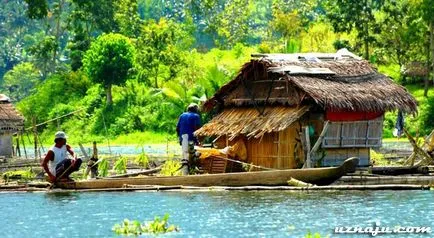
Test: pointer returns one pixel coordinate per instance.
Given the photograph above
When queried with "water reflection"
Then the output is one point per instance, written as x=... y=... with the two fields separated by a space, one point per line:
x=61 y=198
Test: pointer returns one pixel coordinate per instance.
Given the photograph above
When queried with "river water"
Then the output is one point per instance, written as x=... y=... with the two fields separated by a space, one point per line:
x=215 y=213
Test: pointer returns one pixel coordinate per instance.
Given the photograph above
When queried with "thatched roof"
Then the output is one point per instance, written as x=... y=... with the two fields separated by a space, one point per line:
x=251 y=122
x=415 y=69
x=334 y=83
x=10 y=119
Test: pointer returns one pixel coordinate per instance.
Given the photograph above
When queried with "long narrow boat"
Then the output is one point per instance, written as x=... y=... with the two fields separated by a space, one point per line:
x=318 y=176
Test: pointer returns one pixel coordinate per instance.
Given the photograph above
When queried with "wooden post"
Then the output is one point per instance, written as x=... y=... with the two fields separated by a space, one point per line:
x=35 y=137
x=308 y=162
x=83 y=151
x=321 y=136
x=24 y=146
x=18 y=146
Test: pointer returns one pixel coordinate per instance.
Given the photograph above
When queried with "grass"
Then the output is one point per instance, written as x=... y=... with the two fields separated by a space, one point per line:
x=413 y=123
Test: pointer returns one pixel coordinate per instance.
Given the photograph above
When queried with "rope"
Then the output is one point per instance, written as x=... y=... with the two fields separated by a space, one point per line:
x=237 y=161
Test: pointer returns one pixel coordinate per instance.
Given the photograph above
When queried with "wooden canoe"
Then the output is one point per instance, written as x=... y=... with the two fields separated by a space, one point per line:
x=318 y=176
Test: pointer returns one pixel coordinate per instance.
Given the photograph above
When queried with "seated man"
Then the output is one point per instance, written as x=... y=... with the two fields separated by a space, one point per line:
x=56 y=163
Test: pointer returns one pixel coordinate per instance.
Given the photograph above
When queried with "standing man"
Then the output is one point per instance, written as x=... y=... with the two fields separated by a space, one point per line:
x=56 y=163
x=188 y=122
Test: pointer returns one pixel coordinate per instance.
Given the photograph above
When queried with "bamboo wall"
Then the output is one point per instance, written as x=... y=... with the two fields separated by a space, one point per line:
x=279 y=150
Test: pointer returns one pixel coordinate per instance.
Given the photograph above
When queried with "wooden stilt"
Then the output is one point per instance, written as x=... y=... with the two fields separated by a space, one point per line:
x=18 y=146
x=24 y=145
x=35 y=137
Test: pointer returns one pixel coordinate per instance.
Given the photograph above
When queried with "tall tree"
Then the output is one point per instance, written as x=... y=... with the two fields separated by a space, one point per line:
x=160 y=51
x=108 y=61
x=428 y=15
x=19 y=81
x=403 y=34
x=346 y=15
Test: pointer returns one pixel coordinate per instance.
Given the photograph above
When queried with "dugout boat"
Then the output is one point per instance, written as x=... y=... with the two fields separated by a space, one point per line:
x=317 y=176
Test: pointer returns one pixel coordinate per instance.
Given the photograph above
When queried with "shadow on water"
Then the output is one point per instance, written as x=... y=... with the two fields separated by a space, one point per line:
x=62 y=197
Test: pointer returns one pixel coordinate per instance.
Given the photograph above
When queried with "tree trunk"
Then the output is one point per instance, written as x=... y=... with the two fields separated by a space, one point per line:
x=366 y=41
x=428 y=63
x=109 y=94
x=431 y=68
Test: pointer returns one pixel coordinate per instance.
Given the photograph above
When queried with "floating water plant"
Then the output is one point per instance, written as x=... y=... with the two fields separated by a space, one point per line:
x=157 y=226
x=315 y=235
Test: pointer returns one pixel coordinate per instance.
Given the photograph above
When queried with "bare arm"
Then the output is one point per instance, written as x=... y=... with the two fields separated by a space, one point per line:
x=44 y=164
x=70 y=151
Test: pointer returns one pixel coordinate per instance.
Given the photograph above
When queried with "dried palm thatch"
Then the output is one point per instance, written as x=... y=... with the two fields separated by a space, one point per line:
x=337 y=85
x=416 y=69
x=10 y=119
x=251 y=122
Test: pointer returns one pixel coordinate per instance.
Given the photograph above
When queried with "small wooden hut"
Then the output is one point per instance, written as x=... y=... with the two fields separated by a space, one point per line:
x=11 y=122
x=294 y=110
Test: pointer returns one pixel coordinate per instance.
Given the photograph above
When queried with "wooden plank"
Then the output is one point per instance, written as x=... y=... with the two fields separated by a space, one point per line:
x=86 y=156
x=320 y=138
x=307 y=138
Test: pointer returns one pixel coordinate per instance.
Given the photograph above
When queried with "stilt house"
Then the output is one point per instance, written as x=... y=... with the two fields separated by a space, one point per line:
x=311 y=110
x=11 y=122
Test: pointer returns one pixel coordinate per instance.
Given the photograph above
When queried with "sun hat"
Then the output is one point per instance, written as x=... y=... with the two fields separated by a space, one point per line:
x=60 y=135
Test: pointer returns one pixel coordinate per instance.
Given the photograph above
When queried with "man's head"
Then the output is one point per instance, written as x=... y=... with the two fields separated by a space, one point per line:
x=193 y=107
x=59 y=137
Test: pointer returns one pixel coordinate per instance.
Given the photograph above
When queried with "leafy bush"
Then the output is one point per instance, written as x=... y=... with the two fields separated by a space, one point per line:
x=171 y=168
x=142 y=160
x=120 y=166
x=157 y=226
x=19 y=174
x=103 y=167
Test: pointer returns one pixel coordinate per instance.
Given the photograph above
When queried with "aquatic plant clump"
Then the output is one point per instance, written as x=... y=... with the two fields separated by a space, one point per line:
x=157 y=226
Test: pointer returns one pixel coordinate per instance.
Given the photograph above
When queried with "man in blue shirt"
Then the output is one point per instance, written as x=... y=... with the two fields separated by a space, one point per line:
x=188 y=122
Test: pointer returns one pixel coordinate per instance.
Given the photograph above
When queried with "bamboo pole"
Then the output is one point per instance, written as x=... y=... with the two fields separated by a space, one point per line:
x=308 y=163
x=18 y=146
x=24 y=145
x=35 y=137
x=321 y=136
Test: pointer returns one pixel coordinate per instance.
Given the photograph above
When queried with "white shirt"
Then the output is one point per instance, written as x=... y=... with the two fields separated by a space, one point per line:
x=59 y=155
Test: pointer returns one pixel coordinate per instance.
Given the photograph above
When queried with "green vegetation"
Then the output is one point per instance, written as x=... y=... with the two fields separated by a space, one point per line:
x=103 y=168
x=171 y=168
x=130 y=67
x=315 y=235
x=157 y=226
x=19 y=175
x=142 y=160
x=120 y=165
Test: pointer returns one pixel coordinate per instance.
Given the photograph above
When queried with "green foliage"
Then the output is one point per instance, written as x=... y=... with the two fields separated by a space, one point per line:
x=103 y=168
x=37 y=9
x=160 y=54
x=346 y=15
x=377 y=158
x=157 y=226
x=109 y=60
x=120 y=165
x=142 y=160
x=314 y=235
x=19 y=174
x=171 y=168
x=427 y=117
x=20 y=81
